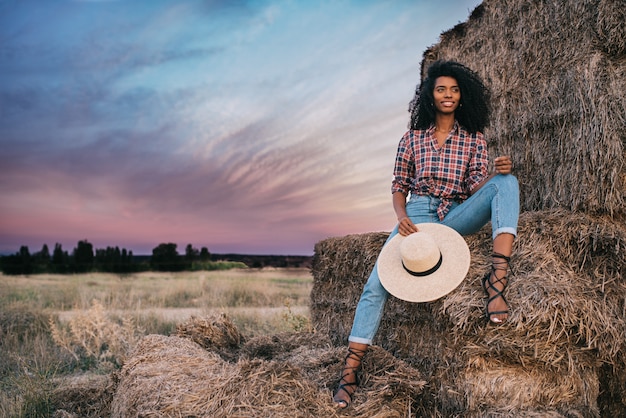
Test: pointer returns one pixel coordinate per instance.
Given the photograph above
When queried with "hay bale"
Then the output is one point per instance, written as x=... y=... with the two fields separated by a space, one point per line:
x=557 y=76
x=275 y=347
x=215 y=333
x=567 y=292
x=344 y=264
x=86 y=395
x=567 y=301
x=612 y=399
x=174 y=376
x=610 y=27
x=512 y=389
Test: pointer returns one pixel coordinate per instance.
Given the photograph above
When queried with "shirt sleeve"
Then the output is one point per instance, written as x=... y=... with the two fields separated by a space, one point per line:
x=404 y=169
x=479 y=162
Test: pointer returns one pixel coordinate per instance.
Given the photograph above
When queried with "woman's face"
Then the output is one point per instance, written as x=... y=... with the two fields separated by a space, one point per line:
x=447 y=95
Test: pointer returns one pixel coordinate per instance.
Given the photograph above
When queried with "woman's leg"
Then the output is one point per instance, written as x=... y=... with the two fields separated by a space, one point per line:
x=367 y=316
x=349 y=381
x=370 y=308
x=496 y=280
x=498 y=202
x=366 y=321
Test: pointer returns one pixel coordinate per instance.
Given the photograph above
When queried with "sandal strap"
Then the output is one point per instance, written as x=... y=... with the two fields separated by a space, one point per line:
x=497 y=265
x=356 y=354
x=350 y=387
x=342 y=387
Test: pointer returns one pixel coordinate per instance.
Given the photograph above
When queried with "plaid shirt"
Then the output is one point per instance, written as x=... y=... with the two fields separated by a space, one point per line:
x=449 y=173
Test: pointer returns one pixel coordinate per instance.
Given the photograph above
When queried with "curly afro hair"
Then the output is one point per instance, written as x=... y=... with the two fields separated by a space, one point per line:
x=473 y=112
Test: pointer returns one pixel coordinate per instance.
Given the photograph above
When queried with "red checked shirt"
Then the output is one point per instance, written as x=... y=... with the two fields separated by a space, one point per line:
x=450 y=172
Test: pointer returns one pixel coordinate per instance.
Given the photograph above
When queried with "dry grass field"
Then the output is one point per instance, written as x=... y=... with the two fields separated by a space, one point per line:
x=54 y=326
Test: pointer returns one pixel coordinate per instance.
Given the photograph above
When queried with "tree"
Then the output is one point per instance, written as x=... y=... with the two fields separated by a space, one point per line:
x=42 y=260
x=205 y=255
x=59 y=259
x=44 y=254
x=26 y=260
x=114 y=260
x=166 y=258
x=83 y=257
x=19 y=263
x=191 y=254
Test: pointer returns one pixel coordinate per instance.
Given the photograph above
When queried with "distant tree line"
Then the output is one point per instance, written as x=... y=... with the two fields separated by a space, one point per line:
x=84 y=259
x=165 y=258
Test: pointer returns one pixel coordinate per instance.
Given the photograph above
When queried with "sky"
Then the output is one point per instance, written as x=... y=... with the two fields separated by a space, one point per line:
x=251 y=127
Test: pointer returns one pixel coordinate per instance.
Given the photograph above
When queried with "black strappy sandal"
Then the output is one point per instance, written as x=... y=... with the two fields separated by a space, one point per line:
x=349 y=387
x=495 y=266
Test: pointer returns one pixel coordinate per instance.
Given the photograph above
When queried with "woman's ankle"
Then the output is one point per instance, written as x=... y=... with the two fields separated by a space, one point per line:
x=356 y=352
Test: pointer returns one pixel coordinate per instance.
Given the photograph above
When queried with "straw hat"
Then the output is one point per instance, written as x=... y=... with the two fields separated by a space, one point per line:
x=425 y=265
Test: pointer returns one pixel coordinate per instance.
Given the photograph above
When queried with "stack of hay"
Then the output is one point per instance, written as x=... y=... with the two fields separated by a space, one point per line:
x=557 y=73
x=564 y=340
x=199 y=373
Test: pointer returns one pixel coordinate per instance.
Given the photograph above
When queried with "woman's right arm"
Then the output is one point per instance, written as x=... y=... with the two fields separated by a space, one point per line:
x=405 y=225
x=404 y=170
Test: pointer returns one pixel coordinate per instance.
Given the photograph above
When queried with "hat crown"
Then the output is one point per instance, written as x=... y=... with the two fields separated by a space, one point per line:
x=419 y=252
x=424 y=266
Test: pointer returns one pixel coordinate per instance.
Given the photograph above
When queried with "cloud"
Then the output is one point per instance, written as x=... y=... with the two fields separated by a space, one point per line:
x=263 y=126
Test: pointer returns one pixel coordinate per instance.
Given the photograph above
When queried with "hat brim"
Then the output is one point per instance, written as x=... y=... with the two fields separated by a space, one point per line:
x=454 y=267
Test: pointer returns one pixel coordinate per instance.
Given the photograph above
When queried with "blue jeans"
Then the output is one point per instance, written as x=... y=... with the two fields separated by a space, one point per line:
x=497 y=201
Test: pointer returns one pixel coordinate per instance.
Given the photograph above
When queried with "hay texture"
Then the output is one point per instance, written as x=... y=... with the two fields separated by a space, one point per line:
x=557 y=73
x=214 y=333
x=85 y=396
x=285 y=375
x=567 y=300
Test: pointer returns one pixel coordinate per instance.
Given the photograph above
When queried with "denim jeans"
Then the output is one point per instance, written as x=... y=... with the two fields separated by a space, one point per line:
x=497 y=201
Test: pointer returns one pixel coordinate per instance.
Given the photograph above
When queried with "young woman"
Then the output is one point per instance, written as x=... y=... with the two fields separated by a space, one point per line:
x=442 y=166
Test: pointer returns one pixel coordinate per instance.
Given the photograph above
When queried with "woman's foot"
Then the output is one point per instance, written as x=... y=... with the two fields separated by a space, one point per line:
x=494 y=283
x=349 y=380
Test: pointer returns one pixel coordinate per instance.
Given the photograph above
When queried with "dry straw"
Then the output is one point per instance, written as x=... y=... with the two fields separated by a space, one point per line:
x=287 y=375
x=567 y=301
x=557 y=72
x=87 y=395
x=218 y=334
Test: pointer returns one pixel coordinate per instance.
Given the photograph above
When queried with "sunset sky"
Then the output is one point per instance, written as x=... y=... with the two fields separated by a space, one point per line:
x=257 y=127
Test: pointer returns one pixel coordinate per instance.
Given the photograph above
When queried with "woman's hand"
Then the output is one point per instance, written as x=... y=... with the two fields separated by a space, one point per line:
x=503 y=165
x=406 y=226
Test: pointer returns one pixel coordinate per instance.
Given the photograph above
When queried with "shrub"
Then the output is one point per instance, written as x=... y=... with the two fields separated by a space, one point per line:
x=93 y=337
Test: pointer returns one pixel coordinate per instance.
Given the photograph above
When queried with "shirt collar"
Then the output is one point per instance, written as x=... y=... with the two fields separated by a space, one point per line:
x=455 y=128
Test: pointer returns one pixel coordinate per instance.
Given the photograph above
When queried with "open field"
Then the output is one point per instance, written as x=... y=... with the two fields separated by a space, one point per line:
x=246 y=293
x=53 y=326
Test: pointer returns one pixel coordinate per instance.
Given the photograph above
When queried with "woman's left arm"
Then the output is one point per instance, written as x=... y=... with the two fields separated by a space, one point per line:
x=502 y=165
